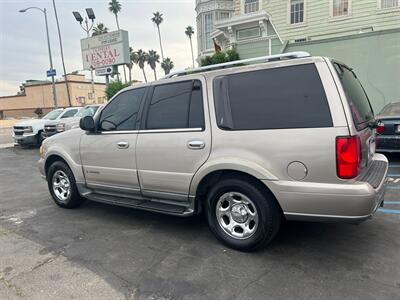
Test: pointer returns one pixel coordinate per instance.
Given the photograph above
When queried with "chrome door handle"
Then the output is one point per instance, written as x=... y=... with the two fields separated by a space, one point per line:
x=123 y=145
x=197 y=144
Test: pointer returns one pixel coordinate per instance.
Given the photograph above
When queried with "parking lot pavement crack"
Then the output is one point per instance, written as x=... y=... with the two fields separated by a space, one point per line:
x=9 y=285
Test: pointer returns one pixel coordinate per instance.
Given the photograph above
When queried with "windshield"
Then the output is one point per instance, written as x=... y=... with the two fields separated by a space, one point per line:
x=87 y=111
x=53 y=114
x=392 y=109
x=358 y=100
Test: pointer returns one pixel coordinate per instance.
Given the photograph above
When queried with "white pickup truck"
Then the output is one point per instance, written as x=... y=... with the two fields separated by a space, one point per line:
x=29 y=132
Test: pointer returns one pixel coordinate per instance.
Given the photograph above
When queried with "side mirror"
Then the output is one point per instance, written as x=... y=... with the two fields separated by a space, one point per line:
x=87 y=124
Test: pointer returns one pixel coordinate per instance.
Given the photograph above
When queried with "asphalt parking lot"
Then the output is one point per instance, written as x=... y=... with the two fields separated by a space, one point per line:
x=104 y=252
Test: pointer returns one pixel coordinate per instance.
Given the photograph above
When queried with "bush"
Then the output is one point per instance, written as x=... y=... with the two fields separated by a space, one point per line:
x=232 y=55
x=39 y=112
x=114 y=87
x=206 y=61
x=220 y=57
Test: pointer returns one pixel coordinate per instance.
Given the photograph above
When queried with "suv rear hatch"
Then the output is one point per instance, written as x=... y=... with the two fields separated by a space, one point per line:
x=362 y=114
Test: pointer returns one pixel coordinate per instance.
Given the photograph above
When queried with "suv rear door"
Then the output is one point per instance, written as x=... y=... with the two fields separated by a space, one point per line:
x=175 y=138
x=360 y=109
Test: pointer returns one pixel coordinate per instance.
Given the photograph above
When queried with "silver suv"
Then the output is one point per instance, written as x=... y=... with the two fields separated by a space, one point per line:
x=290 y=138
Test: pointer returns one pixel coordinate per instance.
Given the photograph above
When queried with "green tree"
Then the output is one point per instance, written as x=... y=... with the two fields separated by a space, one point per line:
x=158 y=19
x=100 y=28
x=140 y=57
x=115 y=7
x=39 y=112
x=152 y=59
x=114 y=87
x=167 y=65
x=189 y=32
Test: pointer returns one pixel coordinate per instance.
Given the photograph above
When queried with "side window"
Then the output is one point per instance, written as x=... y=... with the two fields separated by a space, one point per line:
x=278 y=98
x=69 y=114
x=122 y=112
x=176 y=105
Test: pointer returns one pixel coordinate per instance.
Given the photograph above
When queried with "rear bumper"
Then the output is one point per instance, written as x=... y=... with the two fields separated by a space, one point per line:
x=348 y=202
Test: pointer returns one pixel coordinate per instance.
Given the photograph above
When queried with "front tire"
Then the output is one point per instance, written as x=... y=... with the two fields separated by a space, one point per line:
x=62 y=186
x=242 y=214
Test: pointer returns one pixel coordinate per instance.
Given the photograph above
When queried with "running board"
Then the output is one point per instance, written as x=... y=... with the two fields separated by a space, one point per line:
x=155 y=205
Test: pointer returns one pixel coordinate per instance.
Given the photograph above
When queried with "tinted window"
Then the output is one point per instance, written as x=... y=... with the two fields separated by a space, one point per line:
x=288 y=97
x=70 y=113
x=122 y=112
x=176 y=105
x=358 y=100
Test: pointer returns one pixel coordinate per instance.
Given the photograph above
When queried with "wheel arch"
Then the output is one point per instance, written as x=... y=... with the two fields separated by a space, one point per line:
x=52 y=159
x=214 y=176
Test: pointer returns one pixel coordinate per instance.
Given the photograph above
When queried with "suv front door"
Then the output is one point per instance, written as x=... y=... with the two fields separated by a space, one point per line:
x=174 y=140
x=108 y=156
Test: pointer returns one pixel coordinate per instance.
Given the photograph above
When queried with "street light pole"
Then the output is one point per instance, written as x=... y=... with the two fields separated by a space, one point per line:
x=49 y=48
x=87 y=29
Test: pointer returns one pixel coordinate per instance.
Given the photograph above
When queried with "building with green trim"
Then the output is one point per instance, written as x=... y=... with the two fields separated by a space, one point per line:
x=364 y=34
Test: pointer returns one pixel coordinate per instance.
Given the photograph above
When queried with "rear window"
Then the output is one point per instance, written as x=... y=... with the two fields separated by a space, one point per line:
x=360 y=106
x=287 y=97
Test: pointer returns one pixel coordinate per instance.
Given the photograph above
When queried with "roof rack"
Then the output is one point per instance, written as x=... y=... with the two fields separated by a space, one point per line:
x=261 y=59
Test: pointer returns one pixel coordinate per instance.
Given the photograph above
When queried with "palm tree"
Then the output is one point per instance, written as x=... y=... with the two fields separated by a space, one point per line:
x=167 y=65
x=139 y=58
x=189 y=32
x=158 y=19
x=115 y=8
x=100 y=28
x=133 y=59
x=152 y=59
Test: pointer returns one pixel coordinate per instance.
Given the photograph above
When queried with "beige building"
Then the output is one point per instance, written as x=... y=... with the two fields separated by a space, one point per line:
x=39 y=94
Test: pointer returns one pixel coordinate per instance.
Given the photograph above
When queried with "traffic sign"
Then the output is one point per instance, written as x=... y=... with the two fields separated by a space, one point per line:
x=51 y=73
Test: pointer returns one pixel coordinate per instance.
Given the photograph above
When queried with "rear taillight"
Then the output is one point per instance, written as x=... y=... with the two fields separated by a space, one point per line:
x=348 y=156
x=380 y=128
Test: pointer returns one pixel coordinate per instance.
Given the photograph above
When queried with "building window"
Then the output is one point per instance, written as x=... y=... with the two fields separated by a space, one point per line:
x=248 y=33
x=208 y=27
x=385 y=4
x=340 y=8
x=251 y=6
x=224 y=15
x=296 y=11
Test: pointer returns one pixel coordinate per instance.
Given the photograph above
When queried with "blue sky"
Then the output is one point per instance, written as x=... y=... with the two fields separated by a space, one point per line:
x=23 y=48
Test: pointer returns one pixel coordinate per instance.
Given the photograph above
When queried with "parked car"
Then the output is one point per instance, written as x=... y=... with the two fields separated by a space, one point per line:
x=53 y=127
x=29 y=132
x=250 y=145
x=388 y=137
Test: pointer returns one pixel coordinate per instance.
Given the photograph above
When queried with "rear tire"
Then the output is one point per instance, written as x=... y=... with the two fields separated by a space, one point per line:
x=62 y=186
x=242 y=215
